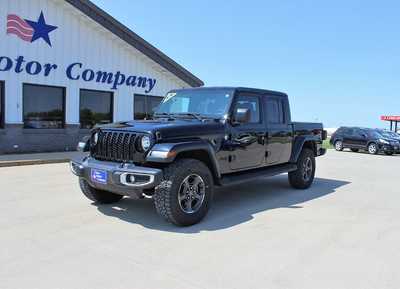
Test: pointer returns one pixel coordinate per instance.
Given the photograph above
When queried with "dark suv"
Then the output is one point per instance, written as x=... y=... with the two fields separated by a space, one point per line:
x=199 y=138
x=371 y=140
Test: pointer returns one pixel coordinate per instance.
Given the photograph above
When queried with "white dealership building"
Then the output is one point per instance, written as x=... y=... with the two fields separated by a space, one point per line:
x=66 y=65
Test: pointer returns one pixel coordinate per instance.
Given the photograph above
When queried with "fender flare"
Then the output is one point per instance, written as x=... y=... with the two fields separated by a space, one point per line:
x=167 y=153
x=299 y=144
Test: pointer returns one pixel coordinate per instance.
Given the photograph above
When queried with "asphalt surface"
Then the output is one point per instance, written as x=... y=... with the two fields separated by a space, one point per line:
x=344 y=232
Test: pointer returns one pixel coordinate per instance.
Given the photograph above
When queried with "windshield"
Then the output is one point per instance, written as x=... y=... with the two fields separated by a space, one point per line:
x=212 y=103
x=375 y=134
x=389 y=134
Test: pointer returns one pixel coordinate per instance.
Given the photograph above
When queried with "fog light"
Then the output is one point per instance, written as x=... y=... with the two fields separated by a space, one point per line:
x=130 y=179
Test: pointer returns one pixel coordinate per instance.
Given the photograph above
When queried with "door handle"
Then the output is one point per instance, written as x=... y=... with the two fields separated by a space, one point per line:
x=262 y=137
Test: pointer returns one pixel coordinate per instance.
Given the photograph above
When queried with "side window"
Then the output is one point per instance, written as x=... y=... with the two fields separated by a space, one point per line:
x=44 y=106
x=340 y=131
x=364 y=133
x=358 y=132
x=274 y=110
x=350 y=132
x=96 y=107
x=252 y=103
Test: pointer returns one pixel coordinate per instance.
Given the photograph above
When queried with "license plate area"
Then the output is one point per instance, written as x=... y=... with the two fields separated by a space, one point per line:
x=99 y=176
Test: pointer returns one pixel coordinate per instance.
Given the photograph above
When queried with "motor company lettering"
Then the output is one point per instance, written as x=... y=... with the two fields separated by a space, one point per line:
x=76 y=71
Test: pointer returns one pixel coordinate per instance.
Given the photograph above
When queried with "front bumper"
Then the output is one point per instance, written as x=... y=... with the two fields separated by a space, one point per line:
x=389 y=148
x=122 y=178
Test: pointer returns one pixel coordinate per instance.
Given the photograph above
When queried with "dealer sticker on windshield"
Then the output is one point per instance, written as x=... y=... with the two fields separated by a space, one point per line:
x=169 y=96
x=99 y=176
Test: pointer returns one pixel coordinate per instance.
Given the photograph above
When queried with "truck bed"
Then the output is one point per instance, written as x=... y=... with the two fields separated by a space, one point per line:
x=302 y=128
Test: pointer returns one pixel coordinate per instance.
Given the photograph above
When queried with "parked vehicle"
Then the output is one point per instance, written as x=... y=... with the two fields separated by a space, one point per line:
x=199 y=138
x=370 y=140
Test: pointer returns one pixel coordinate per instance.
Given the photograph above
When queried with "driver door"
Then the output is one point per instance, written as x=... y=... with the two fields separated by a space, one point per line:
x=360 y=138
x=248 y=139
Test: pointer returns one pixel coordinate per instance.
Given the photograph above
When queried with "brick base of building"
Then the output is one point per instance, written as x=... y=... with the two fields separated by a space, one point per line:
x=14 y=138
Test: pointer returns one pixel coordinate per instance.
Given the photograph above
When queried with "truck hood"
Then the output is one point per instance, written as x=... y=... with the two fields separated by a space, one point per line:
x=170 y=128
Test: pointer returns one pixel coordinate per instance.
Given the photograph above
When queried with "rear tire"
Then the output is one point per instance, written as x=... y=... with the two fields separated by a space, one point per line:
x=354 y=150
x=185 y=194
x=339 y=145
x=303 y=177
x=372 y=148
x=98 y=196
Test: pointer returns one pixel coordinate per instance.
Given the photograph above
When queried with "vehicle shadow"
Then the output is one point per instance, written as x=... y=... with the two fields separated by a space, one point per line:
x=232 y=205
x=363 y=152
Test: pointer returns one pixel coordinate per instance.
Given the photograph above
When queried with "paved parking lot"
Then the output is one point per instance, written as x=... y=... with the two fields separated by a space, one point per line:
x=344 y=232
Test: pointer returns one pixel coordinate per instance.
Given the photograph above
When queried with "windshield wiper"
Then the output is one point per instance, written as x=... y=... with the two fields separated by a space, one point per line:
x=195 y=115
x=161 y=114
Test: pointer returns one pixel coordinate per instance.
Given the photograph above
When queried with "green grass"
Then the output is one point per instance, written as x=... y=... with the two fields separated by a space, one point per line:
x=326 y=144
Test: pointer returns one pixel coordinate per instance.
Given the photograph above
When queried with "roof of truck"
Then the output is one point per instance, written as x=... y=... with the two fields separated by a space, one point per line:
x=238 y=88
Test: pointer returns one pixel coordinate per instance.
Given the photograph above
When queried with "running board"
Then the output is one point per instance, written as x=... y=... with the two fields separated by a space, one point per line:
x=245 y=176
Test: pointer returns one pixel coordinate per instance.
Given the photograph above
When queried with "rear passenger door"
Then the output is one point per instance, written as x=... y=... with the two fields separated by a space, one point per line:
x=348 y=137
x=279 y=131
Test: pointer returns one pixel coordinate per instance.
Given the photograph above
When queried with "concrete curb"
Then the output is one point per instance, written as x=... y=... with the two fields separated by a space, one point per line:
x=5 y=164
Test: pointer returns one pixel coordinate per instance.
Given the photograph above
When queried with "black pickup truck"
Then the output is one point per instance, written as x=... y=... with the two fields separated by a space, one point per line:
x=198 y=139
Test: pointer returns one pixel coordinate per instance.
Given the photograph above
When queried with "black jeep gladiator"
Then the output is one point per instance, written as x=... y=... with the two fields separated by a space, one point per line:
x=198 y=139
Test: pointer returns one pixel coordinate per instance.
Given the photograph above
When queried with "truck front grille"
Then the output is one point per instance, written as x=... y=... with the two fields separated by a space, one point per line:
x=116 y=146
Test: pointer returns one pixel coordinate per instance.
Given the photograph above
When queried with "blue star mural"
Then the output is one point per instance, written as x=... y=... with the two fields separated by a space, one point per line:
x=41 y=29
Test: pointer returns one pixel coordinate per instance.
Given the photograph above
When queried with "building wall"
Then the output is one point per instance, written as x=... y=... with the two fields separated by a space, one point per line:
x=77 y=39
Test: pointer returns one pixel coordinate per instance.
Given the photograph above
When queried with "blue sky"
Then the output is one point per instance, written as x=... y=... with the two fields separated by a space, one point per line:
x=339 y=61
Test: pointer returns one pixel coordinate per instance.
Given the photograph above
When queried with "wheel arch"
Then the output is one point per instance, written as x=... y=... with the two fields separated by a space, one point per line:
x=199 y=150
x=301 y=143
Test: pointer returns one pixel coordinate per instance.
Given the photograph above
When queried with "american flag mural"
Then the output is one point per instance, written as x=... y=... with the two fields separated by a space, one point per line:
x=18 y=26
x=29 y=30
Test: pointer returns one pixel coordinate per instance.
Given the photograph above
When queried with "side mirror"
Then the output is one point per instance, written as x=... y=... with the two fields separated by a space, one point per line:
x=242 y=115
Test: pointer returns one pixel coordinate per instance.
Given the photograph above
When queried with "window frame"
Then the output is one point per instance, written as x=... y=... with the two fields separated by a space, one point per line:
x=96 y=90
x=261 y=118
x=143 y=95
x=2 y=103
x=64 y=90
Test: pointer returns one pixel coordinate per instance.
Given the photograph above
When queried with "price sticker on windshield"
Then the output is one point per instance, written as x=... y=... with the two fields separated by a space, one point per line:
x=169 y=96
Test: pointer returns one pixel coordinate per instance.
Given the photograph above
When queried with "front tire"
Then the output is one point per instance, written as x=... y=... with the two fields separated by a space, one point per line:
x=372 y=149
x=184 y=195
x=339 y=145
x=303 y=177
x=98 y=196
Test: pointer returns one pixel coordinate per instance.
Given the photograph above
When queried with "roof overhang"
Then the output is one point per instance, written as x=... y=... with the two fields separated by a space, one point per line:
x=127 y=35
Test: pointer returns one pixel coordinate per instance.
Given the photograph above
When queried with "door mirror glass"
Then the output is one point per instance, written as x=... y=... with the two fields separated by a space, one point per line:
x=242 y=115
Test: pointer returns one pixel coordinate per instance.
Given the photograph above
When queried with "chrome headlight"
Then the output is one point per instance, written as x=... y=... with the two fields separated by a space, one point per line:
x=95 y=138
x=383 y=141
x=145 y=142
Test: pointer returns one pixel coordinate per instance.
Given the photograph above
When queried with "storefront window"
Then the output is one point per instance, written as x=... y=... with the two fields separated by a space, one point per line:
x=1 y=104
x=43 y=106
x=145 y=105
x=96 y=108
